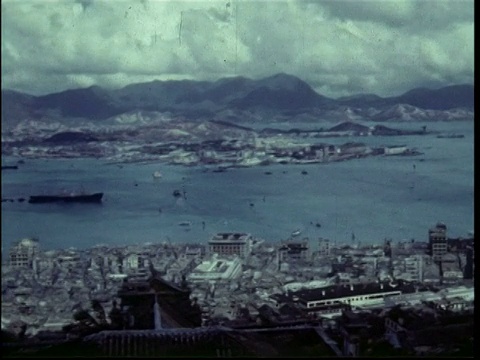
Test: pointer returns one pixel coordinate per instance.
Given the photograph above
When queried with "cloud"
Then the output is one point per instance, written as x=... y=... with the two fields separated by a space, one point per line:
x=340 y=47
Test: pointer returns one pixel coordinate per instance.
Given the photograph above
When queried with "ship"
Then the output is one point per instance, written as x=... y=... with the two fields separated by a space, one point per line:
x=66 y=198
x=451 y=136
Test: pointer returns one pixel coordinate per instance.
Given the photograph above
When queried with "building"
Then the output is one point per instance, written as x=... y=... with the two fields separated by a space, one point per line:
x=324 y=247
x=23 y=253
x=294 y=250
x=387 y=248
x=226 y=244
x=414 y=268
x=317 y=301
x=423 y=330
x=156 y=303
x=468 y=270
x=216 y=269
x=135 y=263
x=200 y=342
x=437 y=239
x=194 y=252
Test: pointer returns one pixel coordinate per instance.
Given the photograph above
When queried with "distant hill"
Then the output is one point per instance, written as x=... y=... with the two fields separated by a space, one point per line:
x=17 y=106
x=455 y=96
x=349 y=126
x=91 y=103
x=450 y=97
x=281 y=95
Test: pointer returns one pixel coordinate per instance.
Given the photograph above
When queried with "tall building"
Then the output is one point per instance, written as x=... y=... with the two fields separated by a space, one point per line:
x=23 y=252
x=468 y=271
x=294 y=250
x=324 y=247
x=387 y=248
x=414 y=267
x=437 y=239
x=225 y=244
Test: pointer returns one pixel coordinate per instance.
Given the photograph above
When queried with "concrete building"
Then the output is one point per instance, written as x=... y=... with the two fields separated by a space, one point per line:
x=414 y=268
x=313 y=300
x=294 y=250
x=468 y=270
x=135 y=264
x=23 y=252
x=437 y=238
x=227 y=244
x=216 y=269
x=324 y=247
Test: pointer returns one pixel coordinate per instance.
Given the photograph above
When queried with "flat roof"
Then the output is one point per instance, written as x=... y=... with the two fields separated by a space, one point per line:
x=340 y=291
x=229 y=237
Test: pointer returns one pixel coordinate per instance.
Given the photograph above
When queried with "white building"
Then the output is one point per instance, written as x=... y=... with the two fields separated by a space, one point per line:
x=313 y=300
x=216 y=269
x=133 y=263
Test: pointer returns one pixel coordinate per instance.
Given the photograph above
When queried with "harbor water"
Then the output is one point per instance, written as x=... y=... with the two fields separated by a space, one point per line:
x=361 y=201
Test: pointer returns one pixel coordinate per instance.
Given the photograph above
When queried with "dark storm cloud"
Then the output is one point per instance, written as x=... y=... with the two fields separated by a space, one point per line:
x=339 y=47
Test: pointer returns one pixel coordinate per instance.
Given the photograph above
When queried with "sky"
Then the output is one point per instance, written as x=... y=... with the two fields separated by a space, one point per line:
x=340 y=47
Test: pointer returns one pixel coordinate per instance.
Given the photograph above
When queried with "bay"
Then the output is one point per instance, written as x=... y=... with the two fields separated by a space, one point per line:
x=371 y=198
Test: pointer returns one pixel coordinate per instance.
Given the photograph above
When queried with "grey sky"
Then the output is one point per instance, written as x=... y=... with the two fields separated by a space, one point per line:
x=340 y=47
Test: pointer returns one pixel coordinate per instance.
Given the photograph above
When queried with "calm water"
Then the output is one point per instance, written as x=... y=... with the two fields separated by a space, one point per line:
x=372 y=198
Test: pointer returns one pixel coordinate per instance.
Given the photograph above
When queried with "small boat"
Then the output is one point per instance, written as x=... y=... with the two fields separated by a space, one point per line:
x=177 y=193
x=296 y=232
x=184 y=223
x=157 y=175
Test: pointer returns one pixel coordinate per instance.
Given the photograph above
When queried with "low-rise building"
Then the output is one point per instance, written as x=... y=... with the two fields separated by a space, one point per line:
x=216 y=269
x=312 y=300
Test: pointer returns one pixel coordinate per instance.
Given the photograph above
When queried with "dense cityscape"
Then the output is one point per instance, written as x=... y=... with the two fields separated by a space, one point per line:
x=238 y=285
x=250 y=179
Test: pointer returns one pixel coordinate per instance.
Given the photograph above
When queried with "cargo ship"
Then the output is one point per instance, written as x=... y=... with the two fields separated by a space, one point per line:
x=66 y=198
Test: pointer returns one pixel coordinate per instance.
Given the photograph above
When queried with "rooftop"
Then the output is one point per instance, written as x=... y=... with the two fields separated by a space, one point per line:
x=230 y=237
x=339 y=291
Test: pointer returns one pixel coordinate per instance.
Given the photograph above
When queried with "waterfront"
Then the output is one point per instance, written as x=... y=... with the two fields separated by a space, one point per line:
x=372 y=198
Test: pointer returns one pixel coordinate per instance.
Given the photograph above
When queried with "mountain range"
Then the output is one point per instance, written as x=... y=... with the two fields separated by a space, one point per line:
x=235 y=99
